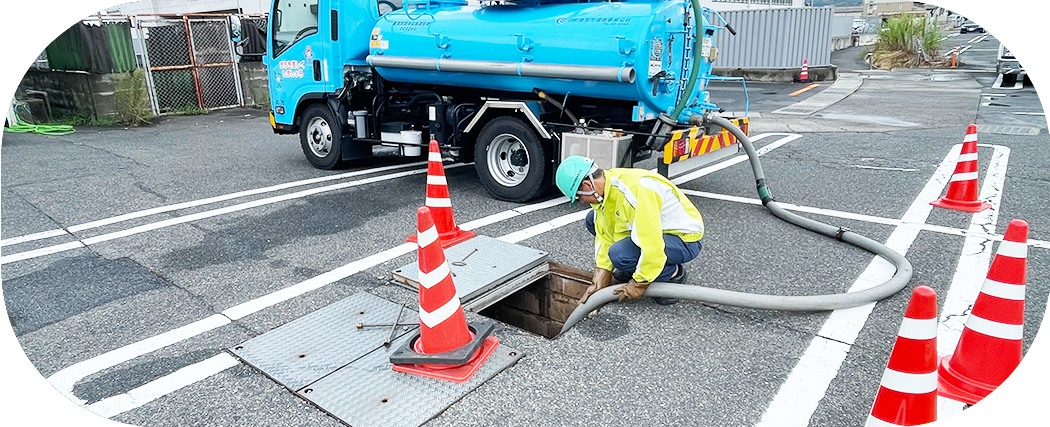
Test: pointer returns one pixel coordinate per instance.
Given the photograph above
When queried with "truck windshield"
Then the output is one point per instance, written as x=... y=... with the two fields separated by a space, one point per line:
x=292 y=20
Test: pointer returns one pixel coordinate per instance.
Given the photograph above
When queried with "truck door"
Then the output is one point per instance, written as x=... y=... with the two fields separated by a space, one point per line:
x=299 y=32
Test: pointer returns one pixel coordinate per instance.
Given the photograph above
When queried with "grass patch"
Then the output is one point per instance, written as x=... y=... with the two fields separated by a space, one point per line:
x=132 y=99
x=908 y=42
x=82 y=120
x=188 y=110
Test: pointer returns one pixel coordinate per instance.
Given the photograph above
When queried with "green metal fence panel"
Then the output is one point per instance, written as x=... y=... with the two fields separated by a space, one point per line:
x=92 y=48
x=121 y=50
x=67 y=51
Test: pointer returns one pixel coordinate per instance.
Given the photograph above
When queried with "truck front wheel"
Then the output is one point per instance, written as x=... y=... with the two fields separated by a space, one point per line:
x=320 y=136
x=511 y=161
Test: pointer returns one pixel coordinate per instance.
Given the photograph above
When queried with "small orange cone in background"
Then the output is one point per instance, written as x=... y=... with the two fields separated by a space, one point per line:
x=440 y=203
x=989 y=348
x=803 y=77
x=446 y=347
x=962 y=188
x=908 y=391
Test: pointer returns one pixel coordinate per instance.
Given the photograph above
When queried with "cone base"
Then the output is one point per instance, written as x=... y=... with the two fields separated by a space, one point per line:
x=954 y=386
x=960 y=205
x=449 y=238
x=458 y=374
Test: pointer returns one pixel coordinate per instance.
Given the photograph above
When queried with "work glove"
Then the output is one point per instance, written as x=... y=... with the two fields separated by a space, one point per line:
x=632 y=290
x=602 y=278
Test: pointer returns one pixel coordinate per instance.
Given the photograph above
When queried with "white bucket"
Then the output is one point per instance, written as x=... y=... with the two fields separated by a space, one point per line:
x=412 y=137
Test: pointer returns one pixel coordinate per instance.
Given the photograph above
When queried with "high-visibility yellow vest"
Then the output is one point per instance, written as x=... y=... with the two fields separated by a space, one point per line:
x=642 y=205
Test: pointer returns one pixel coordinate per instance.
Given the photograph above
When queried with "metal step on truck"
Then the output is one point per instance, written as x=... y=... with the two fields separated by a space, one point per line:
x=512 y=86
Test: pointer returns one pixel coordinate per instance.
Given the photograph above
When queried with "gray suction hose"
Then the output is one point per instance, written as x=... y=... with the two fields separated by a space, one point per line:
x=771 y=302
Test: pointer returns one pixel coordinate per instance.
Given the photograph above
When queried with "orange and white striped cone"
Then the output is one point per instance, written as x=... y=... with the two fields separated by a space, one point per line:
x=990 y=346
x=446 y=347
x=962 y=188
x=908 y=391
x=440 y=203
x=803 y=77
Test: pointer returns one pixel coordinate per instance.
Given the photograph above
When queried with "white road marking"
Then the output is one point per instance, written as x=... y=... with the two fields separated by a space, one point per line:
x=65 y=379
x=153 y=390
x=885 y=168
x=806 y=385
x=194 y=203
x=974 y=258
x=1041 y=244
x=786 y=138
x=202 y=215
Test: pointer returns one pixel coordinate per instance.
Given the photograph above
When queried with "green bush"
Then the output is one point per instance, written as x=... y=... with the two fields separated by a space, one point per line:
x=132 y=99
x=907 y=42
x=187 y=110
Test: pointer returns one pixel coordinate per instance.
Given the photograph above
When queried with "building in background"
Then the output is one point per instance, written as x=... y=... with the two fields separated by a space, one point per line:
x=892 y=8
x=148 y=7
x=726 y=5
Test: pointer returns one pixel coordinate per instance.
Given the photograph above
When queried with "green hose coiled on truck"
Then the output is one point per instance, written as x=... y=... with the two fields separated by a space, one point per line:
x=697 y=44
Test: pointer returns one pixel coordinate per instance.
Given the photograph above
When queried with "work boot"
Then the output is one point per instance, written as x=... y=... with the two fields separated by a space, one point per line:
x=621 y=277
x=679 y=278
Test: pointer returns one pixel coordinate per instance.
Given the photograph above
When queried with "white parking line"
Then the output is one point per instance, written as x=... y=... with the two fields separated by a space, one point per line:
x=65 y=379
x=193 y=203
x=808 y=382
x=161 y=386
x=202 y=215
x=974 y=259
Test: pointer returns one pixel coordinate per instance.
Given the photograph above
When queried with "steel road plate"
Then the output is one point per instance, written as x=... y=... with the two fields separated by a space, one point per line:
x=306 y=349
x=495 y=263
x=369 y=393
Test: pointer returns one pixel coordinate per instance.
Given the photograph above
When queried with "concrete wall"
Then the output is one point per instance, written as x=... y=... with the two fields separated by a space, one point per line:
x=842 y=42
x=75 y=92
x=254 y=85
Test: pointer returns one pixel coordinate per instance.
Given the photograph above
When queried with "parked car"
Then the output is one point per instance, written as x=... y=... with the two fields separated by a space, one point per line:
x=1006 y=63
x=970 y=27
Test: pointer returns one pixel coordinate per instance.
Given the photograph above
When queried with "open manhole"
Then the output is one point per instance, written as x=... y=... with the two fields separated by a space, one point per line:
x=543 y=306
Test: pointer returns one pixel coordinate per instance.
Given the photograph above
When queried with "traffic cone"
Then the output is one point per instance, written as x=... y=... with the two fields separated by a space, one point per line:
x=446 y=347
x=439 y=202
x=962 y=188
x=908 y=391
x=989 y=348
x=803 y=77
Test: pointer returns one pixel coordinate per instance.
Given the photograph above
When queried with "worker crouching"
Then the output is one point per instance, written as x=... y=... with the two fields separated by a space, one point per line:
x=644 y=227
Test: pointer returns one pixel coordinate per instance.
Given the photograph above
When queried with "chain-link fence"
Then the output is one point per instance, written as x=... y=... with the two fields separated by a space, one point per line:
x=189 y=62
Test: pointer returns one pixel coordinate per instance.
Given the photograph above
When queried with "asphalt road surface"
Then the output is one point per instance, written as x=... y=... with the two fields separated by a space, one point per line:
x=178 y=241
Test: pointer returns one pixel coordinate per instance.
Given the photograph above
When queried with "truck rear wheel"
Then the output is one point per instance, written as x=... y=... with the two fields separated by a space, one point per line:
x=511 y=160
x=320 y=136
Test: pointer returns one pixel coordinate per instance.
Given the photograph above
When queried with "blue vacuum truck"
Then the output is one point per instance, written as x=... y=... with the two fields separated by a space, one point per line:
x=514 y=86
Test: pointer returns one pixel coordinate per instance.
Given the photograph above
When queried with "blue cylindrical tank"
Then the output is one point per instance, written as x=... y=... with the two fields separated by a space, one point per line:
x=636 y=51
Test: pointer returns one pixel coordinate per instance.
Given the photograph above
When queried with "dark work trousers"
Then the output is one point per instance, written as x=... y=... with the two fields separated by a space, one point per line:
x=625 y=254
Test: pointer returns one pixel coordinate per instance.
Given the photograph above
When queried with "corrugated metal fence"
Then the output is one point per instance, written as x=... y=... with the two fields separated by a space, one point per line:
x=775 y=38
x=101 y=47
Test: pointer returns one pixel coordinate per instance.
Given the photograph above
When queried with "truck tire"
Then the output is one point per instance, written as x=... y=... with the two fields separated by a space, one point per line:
x=511 y=160
x=320 y=136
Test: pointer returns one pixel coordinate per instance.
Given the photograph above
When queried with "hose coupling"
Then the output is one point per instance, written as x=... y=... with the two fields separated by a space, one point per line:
x=840 y=232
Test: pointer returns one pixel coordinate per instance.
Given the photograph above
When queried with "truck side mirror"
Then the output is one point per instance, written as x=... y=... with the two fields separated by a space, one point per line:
x=235 y=30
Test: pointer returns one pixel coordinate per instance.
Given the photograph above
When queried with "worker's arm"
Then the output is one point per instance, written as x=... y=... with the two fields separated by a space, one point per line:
x=602 y=264
x=603 y=240
x=647 y=233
